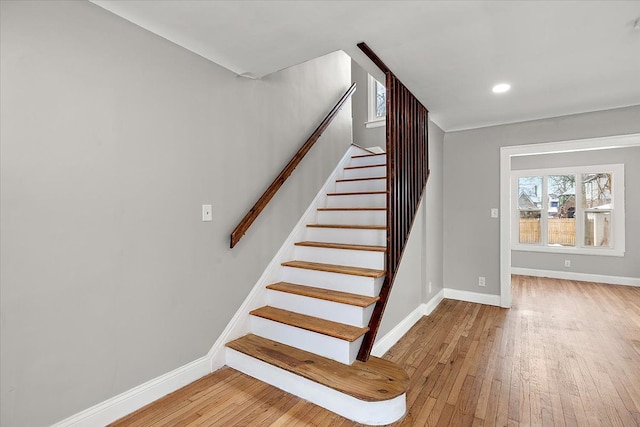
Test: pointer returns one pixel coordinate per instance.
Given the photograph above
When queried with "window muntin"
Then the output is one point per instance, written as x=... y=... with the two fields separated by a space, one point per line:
x=551 y=216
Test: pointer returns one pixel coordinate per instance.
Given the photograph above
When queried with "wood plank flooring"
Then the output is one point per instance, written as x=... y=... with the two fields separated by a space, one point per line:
x=566 y=354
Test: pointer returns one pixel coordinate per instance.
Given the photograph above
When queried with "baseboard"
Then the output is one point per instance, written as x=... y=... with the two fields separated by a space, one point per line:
x=131 y=400
x=384 y=343
x=582 y=277
x=476 y=297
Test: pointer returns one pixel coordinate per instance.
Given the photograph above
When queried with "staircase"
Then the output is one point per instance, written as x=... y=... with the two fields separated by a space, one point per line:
x=306 y=338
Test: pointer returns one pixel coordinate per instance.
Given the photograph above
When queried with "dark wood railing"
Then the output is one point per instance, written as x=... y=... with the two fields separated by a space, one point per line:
x=257 y=208
x=407 y=174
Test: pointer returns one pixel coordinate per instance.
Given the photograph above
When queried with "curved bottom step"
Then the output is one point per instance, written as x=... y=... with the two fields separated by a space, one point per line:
x=372 y=393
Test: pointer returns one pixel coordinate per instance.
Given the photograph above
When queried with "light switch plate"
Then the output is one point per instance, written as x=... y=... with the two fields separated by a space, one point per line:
x=494 y=212
x=207 y=213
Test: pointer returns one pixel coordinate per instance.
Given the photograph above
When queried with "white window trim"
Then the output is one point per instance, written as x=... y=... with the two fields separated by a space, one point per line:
x=373 y=121
x=617 y=211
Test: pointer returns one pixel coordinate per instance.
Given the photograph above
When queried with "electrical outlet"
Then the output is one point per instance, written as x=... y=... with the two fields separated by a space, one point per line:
x=482 y=281
x=494 y=212
x=567 y=263
x=207 y=213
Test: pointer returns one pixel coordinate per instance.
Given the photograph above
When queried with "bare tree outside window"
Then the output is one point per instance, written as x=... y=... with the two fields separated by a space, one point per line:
x=381 y=100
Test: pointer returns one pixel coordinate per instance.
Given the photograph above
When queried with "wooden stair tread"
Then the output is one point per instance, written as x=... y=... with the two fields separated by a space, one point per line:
x=354 y=226
x=324 y=294
x=360 y=179
x=342 y=246
x=315 y=324
x=333 y=268
x=356 y=193
x=368 y=155
x=375 y=380
x=352 y=209
x=366 y=166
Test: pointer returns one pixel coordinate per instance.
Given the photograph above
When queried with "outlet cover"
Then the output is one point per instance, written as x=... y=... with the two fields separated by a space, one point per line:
x=567 y=263
x=482 y=281
x=494 y=212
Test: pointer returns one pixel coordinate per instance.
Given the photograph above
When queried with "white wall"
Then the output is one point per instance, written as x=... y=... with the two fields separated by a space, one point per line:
x=111 y=139
x=472 y=188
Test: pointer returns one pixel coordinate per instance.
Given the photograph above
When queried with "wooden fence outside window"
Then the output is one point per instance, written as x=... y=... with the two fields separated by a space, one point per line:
x=561 y=231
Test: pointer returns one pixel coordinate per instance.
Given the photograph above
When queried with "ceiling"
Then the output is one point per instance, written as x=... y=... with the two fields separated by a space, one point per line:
x=561 y=57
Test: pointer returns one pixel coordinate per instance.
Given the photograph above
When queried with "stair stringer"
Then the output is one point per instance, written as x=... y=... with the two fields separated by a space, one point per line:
x=257 y=297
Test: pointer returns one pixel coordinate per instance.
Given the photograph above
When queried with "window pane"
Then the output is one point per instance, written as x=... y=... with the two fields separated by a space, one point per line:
x=381 y=100
x=530 y=192
x=530 y=227
x=597 y=229
x=596 y=191
x=561 y=223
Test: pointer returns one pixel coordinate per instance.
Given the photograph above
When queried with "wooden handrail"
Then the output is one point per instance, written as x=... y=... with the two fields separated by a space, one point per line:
x=257 y=208
x=407 y=174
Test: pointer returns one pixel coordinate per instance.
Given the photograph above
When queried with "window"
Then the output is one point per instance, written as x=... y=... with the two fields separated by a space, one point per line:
x=570 y=210
x=377 y=100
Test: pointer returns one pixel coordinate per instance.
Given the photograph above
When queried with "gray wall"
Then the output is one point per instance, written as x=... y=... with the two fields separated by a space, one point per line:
x=373 y=137
x=422 y=259
x=435 y=213
x=627 y=266
x=472 y=187
x=112 y=138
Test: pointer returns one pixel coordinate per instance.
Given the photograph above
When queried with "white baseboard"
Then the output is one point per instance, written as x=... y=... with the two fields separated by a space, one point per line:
x=131 y=400
x=384 y=343
x=582 y=277
x=476 y=297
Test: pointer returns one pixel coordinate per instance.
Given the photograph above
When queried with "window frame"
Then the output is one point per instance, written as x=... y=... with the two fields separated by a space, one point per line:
x=617 y=211
x=373 y=120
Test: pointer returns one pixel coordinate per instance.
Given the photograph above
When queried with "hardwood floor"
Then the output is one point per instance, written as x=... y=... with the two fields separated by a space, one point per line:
x=566 y=354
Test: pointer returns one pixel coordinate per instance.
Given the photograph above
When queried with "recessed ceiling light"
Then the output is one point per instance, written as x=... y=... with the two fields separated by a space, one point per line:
x=501 y=88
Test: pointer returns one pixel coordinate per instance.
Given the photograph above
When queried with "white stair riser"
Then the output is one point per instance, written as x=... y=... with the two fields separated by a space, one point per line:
x=357 y=201
x=365 y=172
x=354 y=258
x=369 y=160
x=363 y=217
x=347 y=235
x=365 y=185
x=329 y=310
x=360 y=285
x=368 y=413
x=333 y=348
